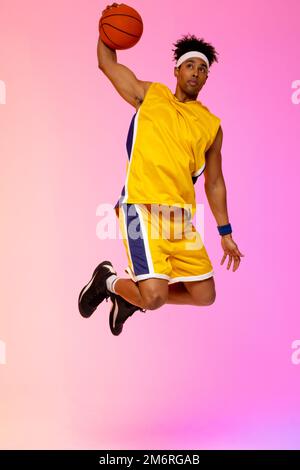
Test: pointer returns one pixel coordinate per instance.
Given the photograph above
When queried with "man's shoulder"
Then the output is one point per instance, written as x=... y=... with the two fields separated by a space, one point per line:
x=157 y=87
x=146 y=85
x=212 y=118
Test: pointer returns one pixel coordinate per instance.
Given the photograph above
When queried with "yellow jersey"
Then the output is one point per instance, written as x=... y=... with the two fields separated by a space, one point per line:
x=166 y=145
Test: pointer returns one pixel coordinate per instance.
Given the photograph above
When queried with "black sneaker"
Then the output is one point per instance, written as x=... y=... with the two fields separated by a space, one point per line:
x=121 y=310
x=95 y=291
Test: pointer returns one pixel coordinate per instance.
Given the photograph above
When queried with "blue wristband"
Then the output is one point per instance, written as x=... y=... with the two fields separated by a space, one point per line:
x=224 y=229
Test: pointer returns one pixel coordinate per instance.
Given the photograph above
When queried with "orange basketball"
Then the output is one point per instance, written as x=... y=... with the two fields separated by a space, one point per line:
x=120 y=27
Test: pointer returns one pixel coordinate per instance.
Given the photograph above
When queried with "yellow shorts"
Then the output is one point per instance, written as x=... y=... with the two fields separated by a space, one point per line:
x=161 y=242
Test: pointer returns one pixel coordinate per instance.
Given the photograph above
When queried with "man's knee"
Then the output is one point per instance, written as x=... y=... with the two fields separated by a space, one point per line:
x=211 y=298
x=154 y=293
x=207 y=299
x=153 y=300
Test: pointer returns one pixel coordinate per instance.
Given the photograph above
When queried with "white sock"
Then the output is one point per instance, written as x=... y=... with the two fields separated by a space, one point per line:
x=110 y=283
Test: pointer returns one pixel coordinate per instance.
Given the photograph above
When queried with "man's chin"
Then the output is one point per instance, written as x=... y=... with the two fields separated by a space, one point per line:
x=191 y=94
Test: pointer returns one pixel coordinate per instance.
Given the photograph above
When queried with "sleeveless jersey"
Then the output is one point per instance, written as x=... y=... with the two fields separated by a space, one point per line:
x=166 y=145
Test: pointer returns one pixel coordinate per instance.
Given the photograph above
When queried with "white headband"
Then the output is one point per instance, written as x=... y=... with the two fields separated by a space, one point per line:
x=189 y=55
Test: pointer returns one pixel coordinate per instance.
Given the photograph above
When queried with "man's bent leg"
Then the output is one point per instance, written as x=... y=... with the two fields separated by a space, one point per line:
x=151 y=294
x=148 y=294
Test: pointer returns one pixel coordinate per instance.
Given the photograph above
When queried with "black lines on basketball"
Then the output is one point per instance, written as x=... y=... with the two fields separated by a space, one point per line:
x=117 y=45
x=121 y=27
x=121 y=30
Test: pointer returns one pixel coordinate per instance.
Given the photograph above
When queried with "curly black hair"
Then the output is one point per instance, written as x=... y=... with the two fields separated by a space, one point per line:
x=191 y=43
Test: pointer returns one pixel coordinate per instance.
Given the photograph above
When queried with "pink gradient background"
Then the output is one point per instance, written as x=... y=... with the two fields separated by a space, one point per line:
x=219 y=377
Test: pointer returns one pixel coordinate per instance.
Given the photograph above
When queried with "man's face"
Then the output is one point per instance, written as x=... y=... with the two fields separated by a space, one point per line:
x=191 y=75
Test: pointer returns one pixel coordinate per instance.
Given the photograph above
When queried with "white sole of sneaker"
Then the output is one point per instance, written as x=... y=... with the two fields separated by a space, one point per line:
x=115 y=314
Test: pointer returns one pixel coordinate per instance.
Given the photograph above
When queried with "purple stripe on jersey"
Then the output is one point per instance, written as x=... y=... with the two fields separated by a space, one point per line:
x=135 y=240
x=129 y=141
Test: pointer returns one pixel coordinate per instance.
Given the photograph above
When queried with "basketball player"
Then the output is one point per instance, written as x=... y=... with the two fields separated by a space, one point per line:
x=172 y=140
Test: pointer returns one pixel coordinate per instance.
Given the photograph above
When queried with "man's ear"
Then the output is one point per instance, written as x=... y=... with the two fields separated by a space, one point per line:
x=175 y=72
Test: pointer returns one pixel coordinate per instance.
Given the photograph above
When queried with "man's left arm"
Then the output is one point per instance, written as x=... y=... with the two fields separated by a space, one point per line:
x=215 y=190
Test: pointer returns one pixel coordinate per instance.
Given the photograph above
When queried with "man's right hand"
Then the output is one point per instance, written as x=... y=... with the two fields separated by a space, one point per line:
x=110 y=6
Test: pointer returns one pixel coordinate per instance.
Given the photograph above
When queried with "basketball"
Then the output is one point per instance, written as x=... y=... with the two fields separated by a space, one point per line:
x=120 y=26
